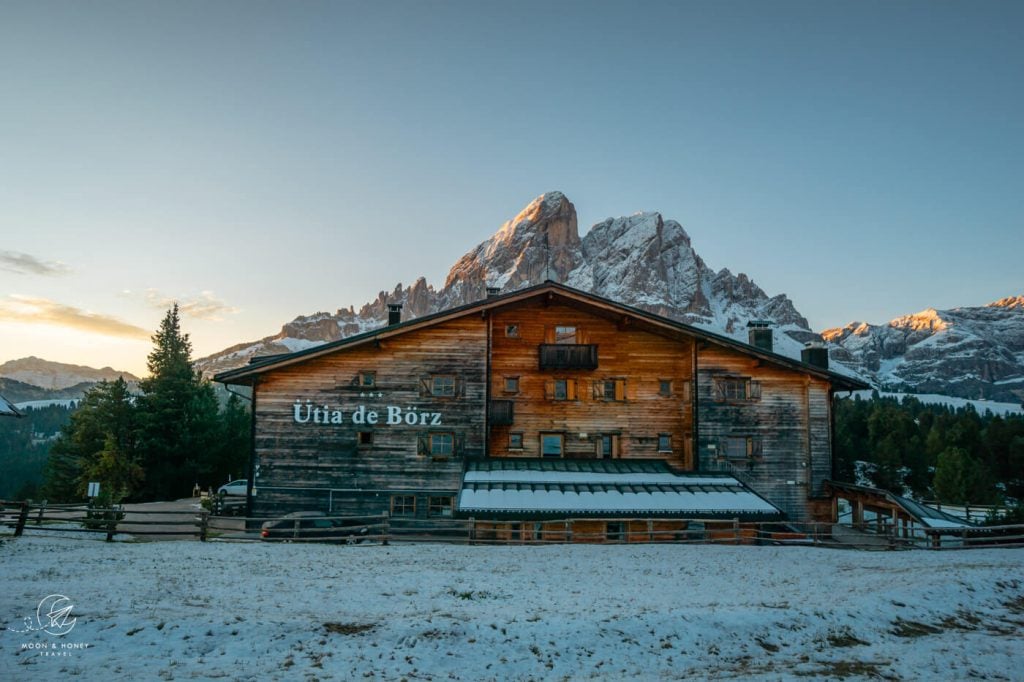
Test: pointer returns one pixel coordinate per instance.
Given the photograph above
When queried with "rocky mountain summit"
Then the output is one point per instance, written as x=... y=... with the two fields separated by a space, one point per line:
x=51 y=375
x=642 y=260
x=970 y=352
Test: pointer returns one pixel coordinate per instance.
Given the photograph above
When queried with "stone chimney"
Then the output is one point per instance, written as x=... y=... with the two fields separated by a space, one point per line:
x=394 y=313
x=815 y=353
x=759 y=332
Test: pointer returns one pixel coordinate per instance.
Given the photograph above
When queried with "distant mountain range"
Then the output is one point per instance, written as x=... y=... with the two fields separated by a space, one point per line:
x=648 y=261
x=33 y=378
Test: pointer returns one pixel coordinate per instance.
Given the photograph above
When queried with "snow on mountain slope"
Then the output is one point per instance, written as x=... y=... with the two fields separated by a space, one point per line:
x=968 y=352
x=641 y=260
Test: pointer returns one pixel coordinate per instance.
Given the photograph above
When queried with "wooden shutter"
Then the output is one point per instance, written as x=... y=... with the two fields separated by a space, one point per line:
x=460 y=387
x=598 y=393
x=423 y=445
x=687 y=397
x=549 y=390
x=570 y=389
x=620 y=389
x=549 y=335
x=719 y=390
x=458 y=444
x=425 y=385
x=754 y=447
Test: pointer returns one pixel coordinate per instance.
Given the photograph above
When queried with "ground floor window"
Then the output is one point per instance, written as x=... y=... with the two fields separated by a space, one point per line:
x=664 y=442
x=552 y=444
x=615 y=531
x=607 y=446
x=515 y=440
x=439 y=506
x=403 y=505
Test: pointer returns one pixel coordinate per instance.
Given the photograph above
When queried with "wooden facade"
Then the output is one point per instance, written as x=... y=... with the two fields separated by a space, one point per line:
x=544 y=372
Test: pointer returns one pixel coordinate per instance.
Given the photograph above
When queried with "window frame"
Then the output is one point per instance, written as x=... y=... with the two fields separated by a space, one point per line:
x=512 y=330
x=561 y=445
x=566 y=338
x=439 y=435
x=736 y=390
x=435 y=378
x=403 y=502
x=511 y=380
x=512 y=445
x=372 y=376
x=613 y=441
x=667 y=448
x=665 y=388
x=447 y=509
x=364 y=438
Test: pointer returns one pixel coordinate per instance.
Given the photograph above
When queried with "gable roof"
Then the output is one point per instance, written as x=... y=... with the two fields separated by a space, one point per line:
x=652 y=322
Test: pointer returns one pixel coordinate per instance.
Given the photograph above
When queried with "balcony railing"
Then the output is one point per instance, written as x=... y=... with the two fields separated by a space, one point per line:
x=568 y=356
x=502 y=412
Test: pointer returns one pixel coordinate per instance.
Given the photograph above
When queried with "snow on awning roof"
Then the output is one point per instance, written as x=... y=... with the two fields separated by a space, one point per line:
x=603 y=488
x=7 y=408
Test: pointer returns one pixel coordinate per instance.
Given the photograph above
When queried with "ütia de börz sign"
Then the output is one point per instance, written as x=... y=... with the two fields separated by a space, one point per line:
x=392 y=415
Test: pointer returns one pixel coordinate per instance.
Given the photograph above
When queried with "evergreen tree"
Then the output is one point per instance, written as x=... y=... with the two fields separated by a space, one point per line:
x=178 y=415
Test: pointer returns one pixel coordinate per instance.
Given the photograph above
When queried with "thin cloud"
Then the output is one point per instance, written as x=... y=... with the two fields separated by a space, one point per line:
x=44 y=311
x=27 y=264
x=205 y=306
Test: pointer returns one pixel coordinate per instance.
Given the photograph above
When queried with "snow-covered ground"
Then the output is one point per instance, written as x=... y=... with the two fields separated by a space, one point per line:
x=981 y=406
x=186 y=610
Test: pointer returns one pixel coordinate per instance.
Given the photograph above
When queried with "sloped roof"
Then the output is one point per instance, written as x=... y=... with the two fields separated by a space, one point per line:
x=7 y=408
x=922 y=513
x=521 y=488
x=656 y=323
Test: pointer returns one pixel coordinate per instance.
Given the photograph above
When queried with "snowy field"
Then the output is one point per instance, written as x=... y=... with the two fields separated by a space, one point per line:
x=188 y=610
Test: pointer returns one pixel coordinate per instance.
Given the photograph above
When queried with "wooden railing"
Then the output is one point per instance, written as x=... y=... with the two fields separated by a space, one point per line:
x=567 y=356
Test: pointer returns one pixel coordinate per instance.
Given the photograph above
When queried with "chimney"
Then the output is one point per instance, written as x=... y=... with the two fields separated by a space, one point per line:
x=759 y=332
x=493 y=291
x=815 y=353
x=394 y=313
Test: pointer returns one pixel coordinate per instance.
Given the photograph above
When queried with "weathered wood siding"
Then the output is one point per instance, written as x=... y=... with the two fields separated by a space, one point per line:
x=323 y=467
x=638 y=358
x=788 y=424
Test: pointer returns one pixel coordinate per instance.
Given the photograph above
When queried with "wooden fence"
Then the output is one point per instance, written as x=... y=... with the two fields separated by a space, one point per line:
x=17 y=518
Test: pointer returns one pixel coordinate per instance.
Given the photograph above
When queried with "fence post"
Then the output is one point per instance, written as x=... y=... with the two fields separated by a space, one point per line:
x=42 y=510
x=736 y=529
x=203 y=524
x=111 y=524
x=568 y=531
x=22 y=518
x=472 y=530
x=386 y=529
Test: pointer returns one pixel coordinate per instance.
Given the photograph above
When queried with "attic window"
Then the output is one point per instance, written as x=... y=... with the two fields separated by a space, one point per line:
x=512 y=330
x=565 y=335
x=367 y=379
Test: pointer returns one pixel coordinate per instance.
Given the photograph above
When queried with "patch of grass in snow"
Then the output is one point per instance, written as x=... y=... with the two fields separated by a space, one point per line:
x=349 y=628
x=844 y=637
x=845 y=669
x=911 y=628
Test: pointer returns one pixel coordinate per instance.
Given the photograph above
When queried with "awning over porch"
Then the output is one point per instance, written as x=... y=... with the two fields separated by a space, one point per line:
x=607 y=488
x=883 y=500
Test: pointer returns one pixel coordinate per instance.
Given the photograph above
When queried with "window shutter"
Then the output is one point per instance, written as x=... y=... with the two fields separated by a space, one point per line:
x=754 y=390
x=549 y=335
x=598 y=392
x=719 y=388
x=423 y=445
x=425 y=386
x=458 y=444
x=549 y=390
x=570 y=389
x=755 y=447
x=620 y=389
x=686 y=391
x=460 y=387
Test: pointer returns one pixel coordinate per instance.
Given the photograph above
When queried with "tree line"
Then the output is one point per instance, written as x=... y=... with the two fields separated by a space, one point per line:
x=154 y=445
x=932 y=452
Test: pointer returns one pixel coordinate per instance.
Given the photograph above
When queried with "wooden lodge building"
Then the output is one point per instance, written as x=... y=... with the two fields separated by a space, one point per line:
x=540 y=404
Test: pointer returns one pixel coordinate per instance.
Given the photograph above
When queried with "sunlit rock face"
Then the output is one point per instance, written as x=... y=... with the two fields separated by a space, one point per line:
x=970 y=352
x=642 y=260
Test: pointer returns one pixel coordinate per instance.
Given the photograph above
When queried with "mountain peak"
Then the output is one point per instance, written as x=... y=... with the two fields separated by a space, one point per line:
x=1008 y=302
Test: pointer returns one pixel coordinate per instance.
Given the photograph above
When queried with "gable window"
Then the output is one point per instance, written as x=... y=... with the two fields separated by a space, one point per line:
x=512 y=330
x=442 y=444
x=515 y=440
x=439 y=506
x=610 y=390
x=607 y=446
x=560 y=389
x=403 y=505
x=367 y=379
x=511 y=385
x=664 y=442
x=552 y=444
x=568 y=335
x=442 y=386
x=364 y=439
x=735 y=389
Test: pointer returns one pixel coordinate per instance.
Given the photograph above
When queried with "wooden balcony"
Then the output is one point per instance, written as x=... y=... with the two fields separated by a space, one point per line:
x=502 y=412
x=568 y=356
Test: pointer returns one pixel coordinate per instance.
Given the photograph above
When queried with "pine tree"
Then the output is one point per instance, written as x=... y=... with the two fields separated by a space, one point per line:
x=178 y=415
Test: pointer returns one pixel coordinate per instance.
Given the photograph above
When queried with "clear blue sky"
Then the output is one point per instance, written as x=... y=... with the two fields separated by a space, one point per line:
x=263 y=160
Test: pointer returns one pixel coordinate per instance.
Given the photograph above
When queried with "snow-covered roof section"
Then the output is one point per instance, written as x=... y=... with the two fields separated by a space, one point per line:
x=7 y=408
x=603 y=488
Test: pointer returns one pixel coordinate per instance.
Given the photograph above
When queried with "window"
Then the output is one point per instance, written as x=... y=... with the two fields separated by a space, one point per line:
x=607 y=446
x=367 y=379
x=515 y=441
x=442 y=444
x=615 y=531
x=511 y=384
x=743 y=447
x=664 y=442
x=610 y=390
x=439 y=506
x=665 y=387
x=403 y=505
x=512 y=330
x=566 y=335
x=551 y=444
x=736 y=389
x=560 y=389
x=442 y=386
x=364 y=438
